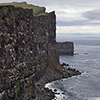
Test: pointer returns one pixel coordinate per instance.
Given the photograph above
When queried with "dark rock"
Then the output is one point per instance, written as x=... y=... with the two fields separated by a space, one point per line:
x=64 y=64
x=57 y=93
x=55 y=90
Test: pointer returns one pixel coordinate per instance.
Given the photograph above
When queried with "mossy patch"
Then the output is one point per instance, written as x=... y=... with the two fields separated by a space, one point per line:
x=24 y=85
x=17 y=89
x=30 y=79
x=5 y=11
x=42 y=14
x=43 y=65
x=47 y=15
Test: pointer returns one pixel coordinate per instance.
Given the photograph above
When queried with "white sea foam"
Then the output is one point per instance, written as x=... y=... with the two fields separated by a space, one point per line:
x=94 y=98
x=59 y=94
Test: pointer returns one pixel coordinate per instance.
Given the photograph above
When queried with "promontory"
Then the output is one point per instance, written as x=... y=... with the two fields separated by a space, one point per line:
x=28 y=57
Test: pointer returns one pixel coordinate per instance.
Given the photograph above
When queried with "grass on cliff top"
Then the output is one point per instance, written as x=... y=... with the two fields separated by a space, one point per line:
x=45 y=14
x=36 y=9
x=42 y=14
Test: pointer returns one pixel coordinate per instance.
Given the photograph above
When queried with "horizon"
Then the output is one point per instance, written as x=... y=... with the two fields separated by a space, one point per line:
x=62 y=37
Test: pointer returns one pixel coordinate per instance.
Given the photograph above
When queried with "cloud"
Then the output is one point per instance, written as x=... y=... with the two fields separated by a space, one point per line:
x=78 y=23
x=92 y=15
x=74 y=23
x=75 y=12
x=65 y=2
x=79 y=29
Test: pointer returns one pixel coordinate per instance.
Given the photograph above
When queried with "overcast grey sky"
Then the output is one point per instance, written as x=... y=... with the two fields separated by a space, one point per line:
x=73 y=16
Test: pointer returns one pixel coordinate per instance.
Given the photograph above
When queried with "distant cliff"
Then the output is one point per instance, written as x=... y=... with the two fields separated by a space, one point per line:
x=65 y=48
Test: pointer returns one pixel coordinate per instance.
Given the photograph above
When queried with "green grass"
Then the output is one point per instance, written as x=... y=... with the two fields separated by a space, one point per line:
x=36 y=9
x=42 y=14
x=30 y=79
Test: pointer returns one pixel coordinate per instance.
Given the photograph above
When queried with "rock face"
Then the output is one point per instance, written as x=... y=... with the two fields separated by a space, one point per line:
x=26 y=43
x=24 y=37
x=65 y=48
x=28 y=57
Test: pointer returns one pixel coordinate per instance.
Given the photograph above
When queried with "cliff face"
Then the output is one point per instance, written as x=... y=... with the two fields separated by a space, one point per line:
x=16 y=43
x=65 y=48
x=26 y=43
x=45 y=34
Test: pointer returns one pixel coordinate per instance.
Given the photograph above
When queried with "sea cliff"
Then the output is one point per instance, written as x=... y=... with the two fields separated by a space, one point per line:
x=65 y=48
x=28 y=57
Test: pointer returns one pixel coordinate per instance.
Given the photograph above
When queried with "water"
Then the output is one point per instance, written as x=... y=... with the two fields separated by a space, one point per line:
x=87 y=60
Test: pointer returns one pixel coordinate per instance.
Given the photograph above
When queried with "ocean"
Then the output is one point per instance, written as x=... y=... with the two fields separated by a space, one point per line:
x=87 y=60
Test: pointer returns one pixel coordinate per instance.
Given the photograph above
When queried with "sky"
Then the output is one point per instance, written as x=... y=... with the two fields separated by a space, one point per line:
x=73 y=16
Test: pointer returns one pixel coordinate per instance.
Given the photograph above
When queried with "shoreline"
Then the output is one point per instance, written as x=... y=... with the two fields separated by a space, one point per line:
x=43 y=93
x=57 y=88
x=59 y=94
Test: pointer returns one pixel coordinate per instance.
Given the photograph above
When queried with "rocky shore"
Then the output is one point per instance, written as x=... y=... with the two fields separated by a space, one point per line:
x=53 y=73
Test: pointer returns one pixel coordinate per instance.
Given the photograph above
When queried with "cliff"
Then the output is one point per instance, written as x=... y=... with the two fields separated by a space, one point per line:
x=65 y=48
x=25 y=45
x=28 y=58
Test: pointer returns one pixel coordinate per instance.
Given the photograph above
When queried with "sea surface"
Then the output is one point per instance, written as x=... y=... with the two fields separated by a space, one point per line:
x=87 y=60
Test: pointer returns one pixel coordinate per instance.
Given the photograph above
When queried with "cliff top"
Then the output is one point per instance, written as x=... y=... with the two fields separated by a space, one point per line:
x=36 y=9
x=66 y=42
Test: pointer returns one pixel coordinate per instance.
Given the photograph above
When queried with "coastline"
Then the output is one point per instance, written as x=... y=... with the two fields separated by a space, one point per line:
x=59 y=93
x=58 y=89
x=29 y=58
x=43 y=93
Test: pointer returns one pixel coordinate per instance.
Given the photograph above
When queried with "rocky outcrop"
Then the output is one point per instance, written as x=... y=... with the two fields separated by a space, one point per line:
x=65 y=48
